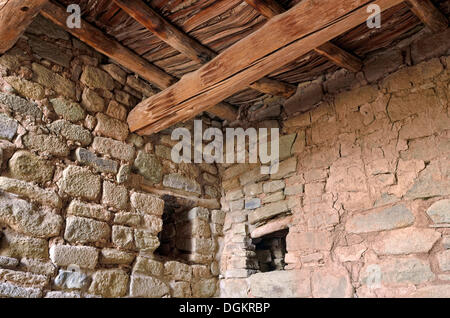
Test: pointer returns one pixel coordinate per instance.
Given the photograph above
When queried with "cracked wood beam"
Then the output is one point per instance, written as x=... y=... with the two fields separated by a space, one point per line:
x=189 y=46
x=122 y=55
x=428 y=14
x=340 y=57
x=280 y=41
x=15 y=17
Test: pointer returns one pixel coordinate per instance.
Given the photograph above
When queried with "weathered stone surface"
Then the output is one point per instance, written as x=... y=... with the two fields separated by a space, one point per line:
x=148 y=266
x=147 y=203
x=198 y=212
x=331 y=283
x=88 y=210
x=49 y=79
x=273 y=186
x=80 y=182
x=117 y=111
x=377 y=66
x=123 y=237
x=116 y=149
x=30 y=191
x=234 y=288
x=84 y=230
x=405 y=241
x=26 y=166
x=252 y=176
x=111 y=127
x=271 y=227
x=14 y=291
x=204 y=288
x=96 y=78
x=140 y=86
x=388 y=219
x=149 y=287
x=432 y=45
x=128 y=218
x=178 y=271
x=350 y=253
x=218 y=216
x=18 y=246
x=86 y=157
x=148 y=166
x=405 y=270
x=432 y=182
x=109 y=283
x=37 y=266
x=268 y=211
x=181 y=182
x=110 y=256
x=20 y=216
x=20 y=105
x=115 y=195
x=26 y=88
x=436 y=291
x=60 y=294
x=49 y=51
x=42 y=26
x=71 y=131
x=72 y=280
x=401 y=107
x=65 y=255
x=8 y=262
x=252 y=204
x=196 y=245
x=304 y=99
x=115 y=72
x=180 y=289
x=46 y=144
x=23 y=278
x=444 y=260
x=439 y=212
x=153 y=224
x=145 y=240
x=123 y=174
x=285 y=168
x=309 y=241
x=287 y=284
x=8 y=127
x=92 y=101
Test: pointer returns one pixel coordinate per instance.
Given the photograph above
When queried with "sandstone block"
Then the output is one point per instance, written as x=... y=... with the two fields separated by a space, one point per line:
x=178 y=181
x=86 y=157
x=147 y=203
x=46 y=143
x=406 y=241
x=439 y=212
x=18 y=246
x=88 y=210
x=444 y=260
x=109 y=283
x=268 y=211
x=115 y=195
x=331 y=283
x=387 y=219
x=148 y=166
x=84 y=230
x=288 y=284
x=26 y=166
x=71 y=131
x=116 y=149
x=14 y=291
x=49 y=79
x=123 y=237
x=111 y=127
x=178 y=271
x=68 y=110
x=91 y=101
x=65 y=255
x=145 y=240
x=20 y=105
x=80 y=182
x=204 y=288
x=112 y=256
x=96 y=78
x=147 y=266
x=146 y=286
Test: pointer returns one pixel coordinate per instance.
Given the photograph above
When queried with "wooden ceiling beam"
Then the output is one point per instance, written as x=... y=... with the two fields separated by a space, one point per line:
x=122 y=55
x=15 y=17
x=187 y=45
x=340 y=57
x=428 y=14
x=280 y=41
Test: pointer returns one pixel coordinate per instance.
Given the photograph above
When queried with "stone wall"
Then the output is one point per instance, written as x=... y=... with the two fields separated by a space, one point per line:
x=363 y=185
x=77 y=217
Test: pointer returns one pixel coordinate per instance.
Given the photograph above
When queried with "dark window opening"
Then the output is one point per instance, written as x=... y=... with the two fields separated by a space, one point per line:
x=271 y=250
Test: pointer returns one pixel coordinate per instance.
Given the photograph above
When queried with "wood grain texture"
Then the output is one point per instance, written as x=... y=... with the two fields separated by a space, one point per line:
x=15 y=17
x=271 y=8
x=281 y=40
x=429 y=14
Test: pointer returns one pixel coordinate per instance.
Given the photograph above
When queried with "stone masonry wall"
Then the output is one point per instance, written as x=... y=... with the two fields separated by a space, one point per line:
x=76 y=215
x=363 y=184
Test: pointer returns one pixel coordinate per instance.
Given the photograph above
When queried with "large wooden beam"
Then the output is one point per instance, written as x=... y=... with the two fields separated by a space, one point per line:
x=280 y=41
x=188 y=46
x=271 y=8
x=113 y=49
x=429 y=14
x=15 y=17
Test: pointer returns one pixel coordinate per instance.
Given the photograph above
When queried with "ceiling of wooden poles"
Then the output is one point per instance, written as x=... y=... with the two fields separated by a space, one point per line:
x=199 y=30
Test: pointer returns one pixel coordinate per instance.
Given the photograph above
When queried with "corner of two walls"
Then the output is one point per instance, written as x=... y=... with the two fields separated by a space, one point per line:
x=363 y=185
x=77 y=213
